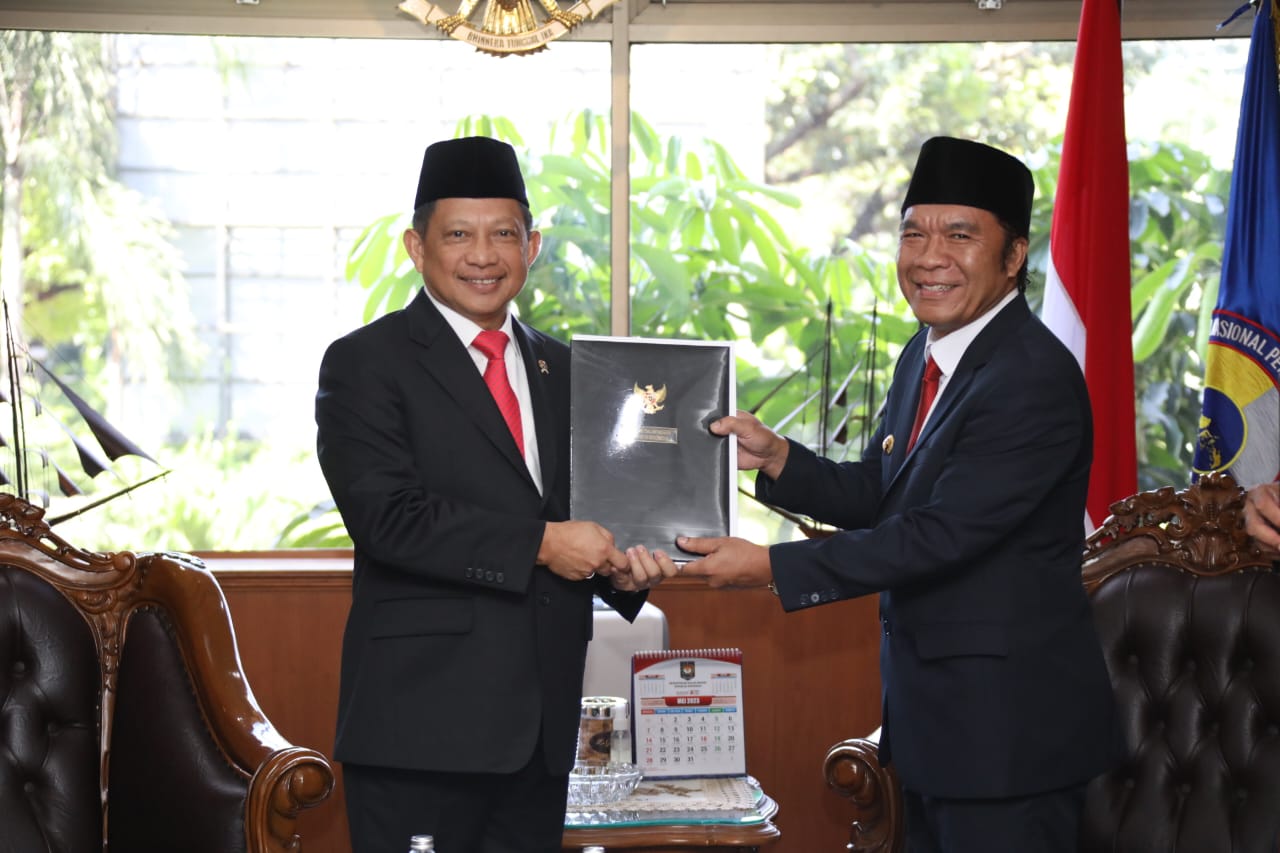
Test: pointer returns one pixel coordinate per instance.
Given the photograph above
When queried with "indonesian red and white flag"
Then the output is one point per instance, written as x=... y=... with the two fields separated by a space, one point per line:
x=1086 y=300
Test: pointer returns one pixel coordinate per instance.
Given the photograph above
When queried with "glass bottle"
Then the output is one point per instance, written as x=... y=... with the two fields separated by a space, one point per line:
x=422 y=844
x=620 y=740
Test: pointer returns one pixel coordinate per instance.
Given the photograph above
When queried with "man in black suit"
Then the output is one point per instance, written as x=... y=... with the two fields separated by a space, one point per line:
x=443 y=435
x=966 y=514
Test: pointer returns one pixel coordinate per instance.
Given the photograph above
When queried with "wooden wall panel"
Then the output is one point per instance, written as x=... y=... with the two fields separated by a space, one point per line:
x=811 y=678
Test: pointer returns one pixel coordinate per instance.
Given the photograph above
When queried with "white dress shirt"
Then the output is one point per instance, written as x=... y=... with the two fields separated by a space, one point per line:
x=466 y=330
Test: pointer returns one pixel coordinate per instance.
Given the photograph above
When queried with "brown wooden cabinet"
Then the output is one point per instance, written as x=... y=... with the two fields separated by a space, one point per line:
x=811 y=678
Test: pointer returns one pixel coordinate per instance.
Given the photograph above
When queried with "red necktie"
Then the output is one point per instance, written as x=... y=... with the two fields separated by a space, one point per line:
x=928 y=390
x=494 y=344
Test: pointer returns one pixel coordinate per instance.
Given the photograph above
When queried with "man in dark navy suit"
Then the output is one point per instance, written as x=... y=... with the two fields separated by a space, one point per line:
x=443 y=433
x=966 y=514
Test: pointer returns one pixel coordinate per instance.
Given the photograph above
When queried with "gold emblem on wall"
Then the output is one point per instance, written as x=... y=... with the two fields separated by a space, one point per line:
x=506 y=26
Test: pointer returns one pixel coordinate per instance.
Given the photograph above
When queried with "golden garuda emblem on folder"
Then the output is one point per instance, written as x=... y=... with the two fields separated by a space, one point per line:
x=651 y=400
x=506 y=26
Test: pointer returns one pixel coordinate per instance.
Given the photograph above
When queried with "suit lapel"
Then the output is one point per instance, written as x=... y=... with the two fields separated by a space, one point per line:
x=976 y=355
x=446 y=359
x=901 y=411
x=544 y=416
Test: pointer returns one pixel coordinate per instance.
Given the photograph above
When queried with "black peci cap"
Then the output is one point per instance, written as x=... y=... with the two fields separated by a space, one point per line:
x=472 y=167
x=958 y=171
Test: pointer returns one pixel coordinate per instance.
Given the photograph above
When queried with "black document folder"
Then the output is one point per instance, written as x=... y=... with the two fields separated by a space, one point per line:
x=643 y=462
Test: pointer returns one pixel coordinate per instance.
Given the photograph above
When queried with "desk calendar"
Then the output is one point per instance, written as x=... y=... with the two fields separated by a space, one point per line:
x=687 y=713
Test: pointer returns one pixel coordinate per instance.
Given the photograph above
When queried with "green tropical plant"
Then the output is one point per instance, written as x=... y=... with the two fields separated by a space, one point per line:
x=818 y=332
x=90 y=279
x=709 y=261
x=221 y=488
x=73 y=234
x=854 y=115
x=1177 y=216
x=1177 y=219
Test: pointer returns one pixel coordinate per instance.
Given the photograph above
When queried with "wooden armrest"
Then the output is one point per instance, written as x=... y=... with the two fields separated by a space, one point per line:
x=852 y=769
x=285 y=779
x=290 y=781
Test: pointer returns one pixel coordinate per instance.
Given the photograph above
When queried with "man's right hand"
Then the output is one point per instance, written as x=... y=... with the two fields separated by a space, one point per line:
x=758 y=446
x=1262 y=514
x=576 y=550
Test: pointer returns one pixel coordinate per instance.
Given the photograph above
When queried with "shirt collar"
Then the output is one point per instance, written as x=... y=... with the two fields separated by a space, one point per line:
x=465 y=328
x=949 y=349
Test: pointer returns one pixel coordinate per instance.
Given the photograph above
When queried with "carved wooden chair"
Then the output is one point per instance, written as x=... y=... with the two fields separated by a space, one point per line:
x=1188 y=611
x=126 y=724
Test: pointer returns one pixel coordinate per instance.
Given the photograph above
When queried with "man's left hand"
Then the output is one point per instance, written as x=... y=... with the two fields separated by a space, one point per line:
x=644 y=570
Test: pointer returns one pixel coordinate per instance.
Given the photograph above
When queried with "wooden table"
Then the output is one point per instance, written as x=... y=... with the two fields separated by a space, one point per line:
x=674 y=838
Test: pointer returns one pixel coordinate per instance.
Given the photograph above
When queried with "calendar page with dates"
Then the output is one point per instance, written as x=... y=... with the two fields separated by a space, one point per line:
x=686 y=707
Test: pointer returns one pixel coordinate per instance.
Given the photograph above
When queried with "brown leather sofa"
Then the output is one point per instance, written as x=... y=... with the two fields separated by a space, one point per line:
x=126 y=724
x=1188 y=609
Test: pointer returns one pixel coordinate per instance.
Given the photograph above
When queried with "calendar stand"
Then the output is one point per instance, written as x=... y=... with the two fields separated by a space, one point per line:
x=687 y=713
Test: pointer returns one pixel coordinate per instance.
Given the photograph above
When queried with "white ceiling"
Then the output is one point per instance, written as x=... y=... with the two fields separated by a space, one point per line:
x=647 y=20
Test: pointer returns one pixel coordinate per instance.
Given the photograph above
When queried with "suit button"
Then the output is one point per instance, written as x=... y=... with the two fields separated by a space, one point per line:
x=469 y=572
x=544 y=599
x=501 y=578
x=488 y=576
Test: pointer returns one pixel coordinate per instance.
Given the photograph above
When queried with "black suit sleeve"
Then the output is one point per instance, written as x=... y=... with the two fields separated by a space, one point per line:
x=1004 y=467
x=386 y=445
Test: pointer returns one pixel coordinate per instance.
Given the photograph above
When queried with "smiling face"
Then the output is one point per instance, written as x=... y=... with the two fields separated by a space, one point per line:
x=475 y=255
x=953 y=264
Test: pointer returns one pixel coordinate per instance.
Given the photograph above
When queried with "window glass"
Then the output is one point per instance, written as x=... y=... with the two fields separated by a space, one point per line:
x=259 y=162
x=188 y=291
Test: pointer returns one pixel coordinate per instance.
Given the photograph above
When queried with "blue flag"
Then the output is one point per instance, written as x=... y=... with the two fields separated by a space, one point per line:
x=1240 y=417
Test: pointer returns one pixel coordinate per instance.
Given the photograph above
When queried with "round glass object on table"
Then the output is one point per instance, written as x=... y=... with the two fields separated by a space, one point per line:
x=422 y=844
x=597 y=784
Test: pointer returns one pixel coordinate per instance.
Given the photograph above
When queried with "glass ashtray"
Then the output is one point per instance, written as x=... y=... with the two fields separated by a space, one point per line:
x=596 y=784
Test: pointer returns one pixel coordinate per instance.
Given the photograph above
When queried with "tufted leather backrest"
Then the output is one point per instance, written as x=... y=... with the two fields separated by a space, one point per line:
x=49 y=680
x=1188 y=611
x=126 y=722
x=157 y=717
x=54 y=731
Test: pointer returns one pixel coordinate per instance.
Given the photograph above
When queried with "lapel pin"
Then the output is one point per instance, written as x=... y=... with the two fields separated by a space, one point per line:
x=542 y=365
x=887 y=446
